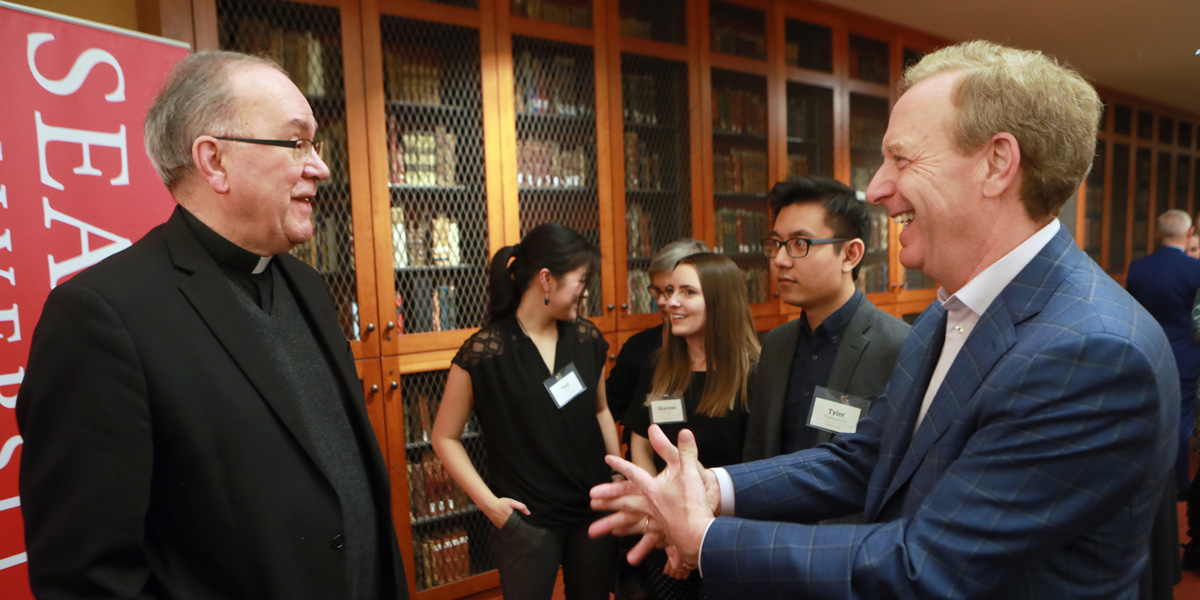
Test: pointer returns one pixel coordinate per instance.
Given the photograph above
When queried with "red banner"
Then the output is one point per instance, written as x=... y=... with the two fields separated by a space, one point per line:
x=75 y=187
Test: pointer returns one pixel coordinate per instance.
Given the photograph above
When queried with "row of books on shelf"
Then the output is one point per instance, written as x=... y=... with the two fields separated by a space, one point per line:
x=868 y=131
x=730 y=38
x=879 y=230
x=637 y=236
x=740 y=172
x=633 y=27
x=791 y=52
x=426 y=304
x=435 y=242
x=798 y=107
x=413 y=74
x=643 y=167
x=860 y=179
x=334 y=153
x=442 y=557
x=419 y=413
x=543 y=164
x=740 y=230
x=312 y=60
x=873 y=276
x=869 y=66
x=639 y=95
x=756 y=284
x=640 y=300
x=331 y=247
x=425 y=157
x=550 y=85
x=577 y=13
x=739 y=111
x=431 y=490
x=797 y=164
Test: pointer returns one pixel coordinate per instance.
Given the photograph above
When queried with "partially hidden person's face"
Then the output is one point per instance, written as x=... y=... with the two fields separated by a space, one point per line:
x=928 y=187
x=1193 y=247
x=566 y=292
x=816 y=278
x=270 y=191
x=685 y=302
x=659 y=280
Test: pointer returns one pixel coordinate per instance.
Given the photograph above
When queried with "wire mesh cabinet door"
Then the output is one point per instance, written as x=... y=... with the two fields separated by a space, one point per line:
x=307 y=39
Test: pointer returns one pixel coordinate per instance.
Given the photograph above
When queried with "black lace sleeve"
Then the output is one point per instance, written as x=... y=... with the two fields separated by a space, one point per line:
x=588 y=333
x=485 y=343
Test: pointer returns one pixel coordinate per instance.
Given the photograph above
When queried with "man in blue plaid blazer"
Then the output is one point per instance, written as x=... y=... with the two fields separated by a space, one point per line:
x=1031 y=412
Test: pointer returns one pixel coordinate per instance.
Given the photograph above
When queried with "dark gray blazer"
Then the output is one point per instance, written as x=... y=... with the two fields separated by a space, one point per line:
x=862 y=367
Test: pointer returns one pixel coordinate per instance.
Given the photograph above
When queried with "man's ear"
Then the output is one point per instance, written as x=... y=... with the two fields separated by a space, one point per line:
x=1002 y=155
x=852 y=254
x=209 y=161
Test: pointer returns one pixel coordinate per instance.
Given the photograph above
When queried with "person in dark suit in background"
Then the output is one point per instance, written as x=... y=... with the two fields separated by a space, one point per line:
x=1165 y=283
x=1022 y=444
x=841 y=341
x=193 y=423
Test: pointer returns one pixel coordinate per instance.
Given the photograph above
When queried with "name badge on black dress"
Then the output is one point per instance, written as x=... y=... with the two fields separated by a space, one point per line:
x=565 y=385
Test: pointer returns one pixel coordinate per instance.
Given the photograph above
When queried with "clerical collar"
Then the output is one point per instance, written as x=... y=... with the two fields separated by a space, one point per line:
x=225 y=252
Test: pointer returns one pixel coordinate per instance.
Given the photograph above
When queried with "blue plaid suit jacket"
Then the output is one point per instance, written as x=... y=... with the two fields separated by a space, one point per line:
x=1035 y=473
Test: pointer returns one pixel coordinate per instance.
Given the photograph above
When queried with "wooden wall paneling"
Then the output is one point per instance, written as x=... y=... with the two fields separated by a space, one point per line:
x=360 y=178
x=394 y=418
x=498 y=170
x=370 y=375
x=618 y=257
x=699 y=112
x=1106 y=218
x=606 y=164
x=705 y=64
x=167 y=18
x=204 y=25
x=507 y=121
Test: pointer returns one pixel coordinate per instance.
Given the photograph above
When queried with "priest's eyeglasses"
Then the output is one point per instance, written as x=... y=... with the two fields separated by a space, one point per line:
x=796 y=247
x=301 y=149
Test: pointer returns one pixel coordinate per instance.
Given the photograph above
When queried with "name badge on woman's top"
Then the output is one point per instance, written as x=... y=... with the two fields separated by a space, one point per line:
x=667 y=410
x=565 y=385
x=836 y=412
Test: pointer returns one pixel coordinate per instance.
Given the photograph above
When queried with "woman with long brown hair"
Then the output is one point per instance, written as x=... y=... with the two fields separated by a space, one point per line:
x=699 y=382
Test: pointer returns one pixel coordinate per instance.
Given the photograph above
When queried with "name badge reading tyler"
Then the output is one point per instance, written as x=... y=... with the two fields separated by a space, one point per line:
x=667 y=410
x=835 y=411
x=565 y=385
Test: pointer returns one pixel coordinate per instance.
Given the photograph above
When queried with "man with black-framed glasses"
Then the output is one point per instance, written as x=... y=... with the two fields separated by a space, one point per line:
x=841 y=344
x=193 y=423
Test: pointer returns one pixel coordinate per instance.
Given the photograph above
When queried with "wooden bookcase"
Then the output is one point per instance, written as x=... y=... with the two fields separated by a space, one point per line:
x=456 y=125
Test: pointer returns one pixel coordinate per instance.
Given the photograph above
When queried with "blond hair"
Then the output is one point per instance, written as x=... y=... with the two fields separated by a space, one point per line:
x=1048 y=107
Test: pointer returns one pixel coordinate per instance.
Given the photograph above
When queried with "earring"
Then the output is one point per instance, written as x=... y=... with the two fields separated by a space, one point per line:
x=546 y=301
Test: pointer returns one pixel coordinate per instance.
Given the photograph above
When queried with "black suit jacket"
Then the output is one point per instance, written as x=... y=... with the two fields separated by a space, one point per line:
x=863 y=364
x=162 y=458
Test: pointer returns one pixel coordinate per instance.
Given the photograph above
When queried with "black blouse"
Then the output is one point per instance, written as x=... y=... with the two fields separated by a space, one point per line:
x=719 y=439
x=542 y=455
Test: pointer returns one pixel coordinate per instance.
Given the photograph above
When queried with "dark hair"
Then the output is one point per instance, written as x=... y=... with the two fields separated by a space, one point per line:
x=845 y=214
x=547 y=246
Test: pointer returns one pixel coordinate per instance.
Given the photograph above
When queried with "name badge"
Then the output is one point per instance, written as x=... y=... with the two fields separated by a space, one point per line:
x=836 y=412
x=565 y=385
x=667 y=410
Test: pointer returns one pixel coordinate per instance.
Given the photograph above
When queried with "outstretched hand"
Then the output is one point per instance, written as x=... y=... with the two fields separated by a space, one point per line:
x=672 y=509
